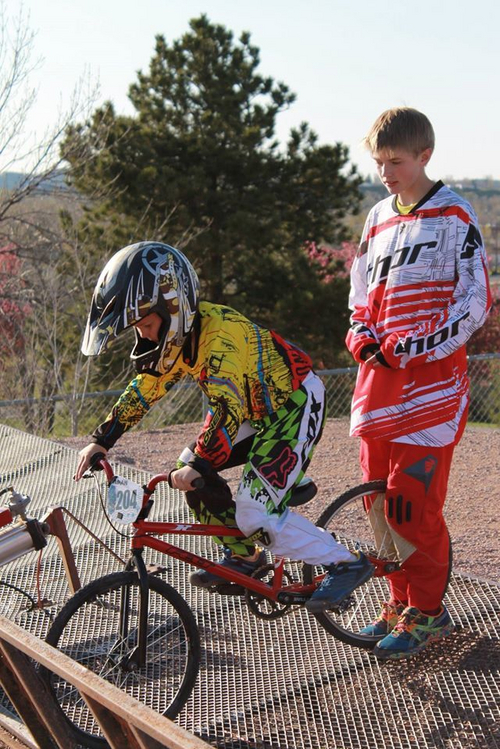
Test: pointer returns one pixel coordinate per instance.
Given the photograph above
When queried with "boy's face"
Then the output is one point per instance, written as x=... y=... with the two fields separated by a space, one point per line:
x=149 y=327
x=403 y=173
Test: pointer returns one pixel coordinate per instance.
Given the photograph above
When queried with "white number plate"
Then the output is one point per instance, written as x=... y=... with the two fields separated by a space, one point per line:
x=124 y=500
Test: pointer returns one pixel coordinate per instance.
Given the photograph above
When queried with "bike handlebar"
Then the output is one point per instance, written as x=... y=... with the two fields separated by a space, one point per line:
x=98 y=462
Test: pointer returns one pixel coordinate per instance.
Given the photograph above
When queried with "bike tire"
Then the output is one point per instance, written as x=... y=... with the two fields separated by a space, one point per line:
x=87 y=629
x=347 y=520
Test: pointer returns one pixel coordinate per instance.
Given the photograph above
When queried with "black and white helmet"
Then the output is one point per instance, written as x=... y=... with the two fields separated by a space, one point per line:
x=139 y=279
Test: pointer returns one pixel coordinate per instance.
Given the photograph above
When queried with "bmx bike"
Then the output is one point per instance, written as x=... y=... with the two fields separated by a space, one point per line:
x=135 y=630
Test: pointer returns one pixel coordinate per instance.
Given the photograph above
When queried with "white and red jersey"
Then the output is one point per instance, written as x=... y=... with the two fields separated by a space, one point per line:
x=419 y=289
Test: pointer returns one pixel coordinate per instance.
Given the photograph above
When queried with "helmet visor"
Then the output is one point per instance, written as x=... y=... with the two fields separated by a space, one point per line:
x=102 y=329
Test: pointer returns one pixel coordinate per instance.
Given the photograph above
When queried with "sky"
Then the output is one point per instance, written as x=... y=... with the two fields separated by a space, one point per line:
x=346 y=61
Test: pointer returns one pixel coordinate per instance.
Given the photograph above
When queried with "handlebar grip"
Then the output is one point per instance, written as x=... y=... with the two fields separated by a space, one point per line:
x=94 y=461
x=197 y=483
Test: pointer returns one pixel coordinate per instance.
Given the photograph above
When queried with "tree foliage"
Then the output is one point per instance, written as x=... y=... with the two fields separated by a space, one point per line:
x=14 y=309
x=42 y=274
x=199 y=166
x=486 y=340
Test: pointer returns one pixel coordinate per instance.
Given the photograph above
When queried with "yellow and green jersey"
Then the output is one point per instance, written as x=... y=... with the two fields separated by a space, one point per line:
x=246 y=371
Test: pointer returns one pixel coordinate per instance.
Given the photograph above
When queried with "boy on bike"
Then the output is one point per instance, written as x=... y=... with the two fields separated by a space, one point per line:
x=419 y=289
x=266 y=410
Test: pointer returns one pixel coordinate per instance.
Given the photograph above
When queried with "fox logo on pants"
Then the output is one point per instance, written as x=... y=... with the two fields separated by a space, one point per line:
x=277 y=471
x=423 y=470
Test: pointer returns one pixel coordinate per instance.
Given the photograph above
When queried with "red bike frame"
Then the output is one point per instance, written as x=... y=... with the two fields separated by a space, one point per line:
x=144 y=537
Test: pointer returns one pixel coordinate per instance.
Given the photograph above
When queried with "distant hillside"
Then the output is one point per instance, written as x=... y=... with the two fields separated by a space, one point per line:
x=483 y=194
x=11 y=180
x=480 y=187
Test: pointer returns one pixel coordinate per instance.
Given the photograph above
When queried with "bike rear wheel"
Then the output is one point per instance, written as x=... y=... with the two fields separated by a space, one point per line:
x=348 y=521
x=88 y=630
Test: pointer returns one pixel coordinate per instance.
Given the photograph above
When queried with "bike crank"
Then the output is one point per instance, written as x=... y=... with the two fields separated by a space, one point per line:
x=260 y=605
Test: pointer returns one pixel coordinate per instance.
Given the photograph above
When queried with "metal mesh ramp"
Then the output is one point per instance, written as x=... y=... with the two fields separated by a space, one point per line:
x=285 y=684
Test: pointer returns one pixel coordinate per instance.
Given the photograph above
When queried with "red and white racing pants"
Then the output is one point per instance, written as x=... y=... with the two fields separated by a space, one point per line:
x=412 y=511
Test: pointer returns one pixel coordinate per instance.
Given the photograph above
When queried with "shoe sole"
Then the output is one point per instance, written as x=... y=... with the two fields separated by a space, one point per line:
x=317 y=607
x=389 y=655
x=223 y=589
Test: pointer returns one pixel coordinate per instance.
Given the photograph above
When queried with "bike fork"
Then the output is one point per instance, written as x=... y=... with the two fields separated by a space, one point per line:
x=137 y=658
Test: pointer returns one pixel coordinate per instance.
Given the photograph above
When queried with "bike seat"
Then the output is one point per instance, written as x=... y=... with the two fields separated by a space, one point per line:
x=303 y=492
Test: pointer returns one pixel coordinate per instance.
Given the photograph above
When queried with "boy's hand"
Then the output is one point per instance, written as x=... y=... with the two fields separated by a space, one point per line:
x=84 y=457
x=373 y=361
x=377 y=359
x=182 y=478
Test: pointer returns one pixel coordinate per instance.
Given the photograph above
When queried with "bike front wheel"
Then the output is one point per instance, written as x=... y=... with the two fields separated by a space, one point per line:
x=98 y=628
x=356 y=519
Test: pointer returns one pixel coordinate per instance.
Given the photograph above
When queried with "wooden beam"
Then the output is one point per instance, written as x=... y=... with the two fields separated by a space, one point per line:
x=13 y=731
x=116 y=730
x=33 y=703
x=142 y=720
x=15 y=737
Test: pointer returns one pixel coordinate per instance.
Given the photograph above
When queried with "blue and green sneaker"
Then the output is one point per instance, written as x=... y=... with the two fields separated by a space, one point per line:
x=386 y=621
x=413 y=632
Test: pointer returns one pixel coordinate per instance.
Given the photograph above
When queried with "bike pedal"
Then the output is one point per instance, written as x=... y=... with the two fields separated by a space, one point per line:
x=344 y=605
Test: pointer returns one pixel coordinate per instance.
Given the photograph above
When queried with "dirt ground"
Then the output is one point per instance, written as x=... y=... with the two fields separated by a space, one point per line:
x=473 y=493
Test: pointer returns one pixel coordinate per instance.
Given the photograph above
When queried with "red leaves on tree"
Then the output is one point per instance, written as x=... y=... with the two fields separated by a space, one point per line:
x=331 y=262
x=13 y=311
x=486 y=340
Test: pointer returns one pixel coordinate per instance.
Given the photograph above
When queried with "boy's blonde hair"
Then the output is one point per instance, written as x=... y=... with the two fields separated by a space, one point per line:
x=400 y=127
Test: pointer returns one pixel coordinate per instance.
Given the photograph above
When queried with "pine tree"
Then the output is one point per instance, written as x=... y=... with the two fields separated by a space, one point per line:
x=199 y=166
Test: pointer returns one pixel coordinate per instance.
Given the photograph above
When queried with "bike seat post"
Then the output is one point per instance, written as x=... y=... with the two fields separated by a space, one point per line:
x=279 y=566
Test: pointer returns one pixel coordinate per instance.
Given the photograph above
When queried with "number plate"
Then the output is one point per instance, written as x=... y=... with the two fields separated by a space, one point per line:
x=124 y=500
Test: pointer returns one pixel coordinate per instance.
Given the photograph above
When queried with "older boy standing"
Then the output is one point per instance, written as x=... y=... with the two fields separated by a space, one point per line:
x=419 y=289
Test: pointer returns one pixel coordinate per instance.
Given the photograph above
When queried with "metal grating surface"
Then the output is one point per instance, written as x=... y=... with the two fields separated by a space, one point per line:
x=285 y=684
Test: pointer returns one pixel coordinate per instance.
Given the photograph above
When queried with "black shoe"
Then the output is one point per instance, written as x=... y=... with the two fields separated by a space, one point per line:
x=208 y=580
